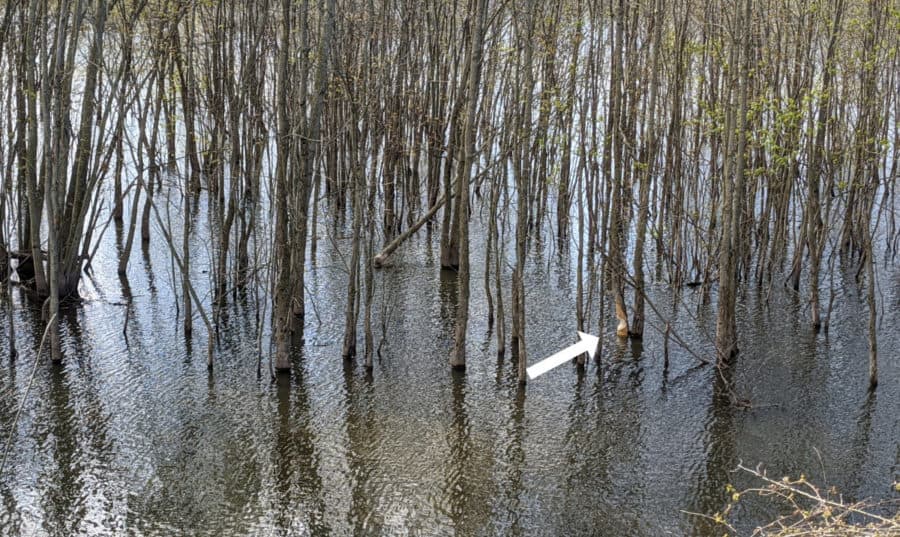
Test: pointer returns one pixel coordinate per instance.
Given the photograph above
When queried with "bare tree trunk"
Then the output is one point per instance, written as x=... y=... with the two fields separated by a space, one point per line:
x=186 y=260
x=614 y=177
x=458 y=355
x=648 y=163
x=351 y=316
x=309 y=145
x=523 y=182
x=281 y=309
x=27 y=121
x=499 y=252
x=873 y=312
x=726 y=325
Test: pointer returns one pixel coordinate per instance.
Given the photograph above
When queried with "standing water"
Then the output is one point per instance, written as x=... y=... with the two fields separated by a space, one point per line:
x=133 y=436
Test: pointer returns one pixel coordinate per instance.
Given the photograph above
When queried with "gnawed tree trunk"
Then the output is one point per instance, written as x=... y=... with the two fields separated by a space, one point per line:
x=613 y=168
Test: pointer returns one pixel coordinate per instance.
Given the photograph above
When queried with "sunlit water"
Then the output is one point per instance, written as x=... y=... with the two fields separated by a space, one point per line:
x=137 y=438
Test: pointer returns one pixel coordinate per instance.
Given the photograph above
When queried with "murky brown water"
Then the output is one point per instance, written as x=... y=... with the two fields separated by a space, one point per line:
x=137 y=438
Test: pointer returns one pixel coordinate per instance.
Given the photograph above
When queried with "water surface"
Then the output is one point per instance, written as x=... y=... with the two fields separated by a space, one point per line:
x=136 y=437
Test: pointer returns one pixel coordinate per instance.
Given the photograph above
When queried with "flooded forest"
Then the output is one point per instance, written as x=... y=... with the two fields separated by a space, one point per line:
x=279 y=267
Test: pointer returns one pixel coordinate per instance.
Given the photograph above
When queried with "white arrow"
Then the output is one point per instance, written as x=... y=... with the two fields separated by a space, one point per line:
x=587 y=343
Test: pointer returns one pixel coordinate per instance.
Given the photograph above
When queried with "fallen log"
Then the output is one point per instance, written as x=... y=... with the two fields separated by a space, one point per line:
x=379 y=260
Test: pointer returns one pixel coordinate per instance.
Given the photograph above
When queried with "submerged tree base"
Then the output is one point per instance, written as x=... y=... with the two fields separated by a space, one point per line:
x=68 y=288
x=457 y=360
